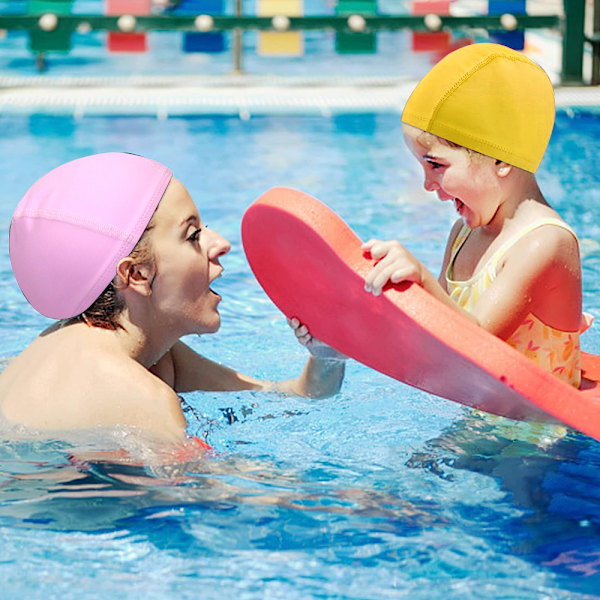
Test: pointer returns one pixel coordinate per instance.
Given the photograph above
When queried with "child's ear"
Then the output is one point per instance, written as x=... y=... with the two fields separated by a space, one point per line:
x=502 y=168
x=135 y=276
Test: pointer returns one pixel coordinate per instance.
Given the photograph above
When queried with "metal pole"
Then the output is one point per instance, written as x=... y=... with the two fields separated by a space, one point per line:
x=596 y=45
x=573 y=41
x=237 y=42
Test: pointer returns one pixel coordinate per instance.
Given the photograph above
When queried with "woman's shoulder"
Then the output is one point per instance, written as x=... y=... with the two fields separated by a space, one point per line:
x=53 y=386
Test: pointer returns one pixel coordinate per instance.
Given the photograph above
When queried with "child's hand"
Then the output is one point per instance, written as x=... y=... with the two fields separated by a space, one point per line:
x=314 y=346
x=394 y=264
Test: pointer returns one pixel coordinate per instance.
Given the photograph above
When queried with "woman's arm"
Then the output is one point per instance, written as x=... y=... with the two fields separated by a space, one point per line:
x=185 y=370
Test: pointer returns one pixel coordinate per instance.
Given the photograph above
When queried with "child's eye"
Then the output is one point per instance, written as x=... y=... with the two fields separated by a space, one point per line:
x=195 y=236
x=435 y=165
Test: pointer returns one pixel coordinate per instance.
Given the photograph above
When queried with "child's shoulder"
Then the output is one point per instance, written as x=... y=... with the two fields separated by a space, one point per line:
x=543 y=239
x=544 y=224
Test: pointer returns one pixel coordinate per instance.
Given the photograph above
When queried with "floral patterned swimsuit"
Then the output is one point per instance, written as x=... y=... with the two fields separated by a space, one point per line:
x=554 y=350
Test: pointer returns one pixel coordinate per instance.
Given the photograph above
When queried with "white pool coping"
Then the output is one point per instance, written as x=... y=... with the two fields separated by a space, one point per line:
x=241 y=95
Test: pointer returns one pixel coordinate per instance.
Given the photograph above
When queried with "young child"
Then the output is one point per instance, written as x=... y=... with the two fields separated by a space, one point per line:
x=479 y=123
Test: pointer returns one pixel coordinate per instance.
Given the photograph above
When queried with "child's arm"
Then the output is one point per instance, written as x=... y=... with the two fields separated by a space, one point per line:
x=540 y=274
x=396 y=264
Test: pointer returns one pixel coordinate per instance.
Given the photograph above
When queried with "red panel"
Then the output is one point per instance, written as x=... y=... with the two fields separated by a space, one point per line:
x=128 y=7
x=127 y=42
x=426 y=7
x=436 y=41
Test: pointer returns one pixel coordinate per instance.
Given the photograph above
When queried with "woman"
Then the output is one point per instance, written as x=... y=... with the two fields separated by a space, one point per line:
x=113 y=246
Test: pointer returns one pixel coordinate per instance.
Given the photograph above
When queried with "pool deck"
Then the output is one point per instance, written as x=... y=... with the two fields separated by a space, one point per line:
x=243 y=95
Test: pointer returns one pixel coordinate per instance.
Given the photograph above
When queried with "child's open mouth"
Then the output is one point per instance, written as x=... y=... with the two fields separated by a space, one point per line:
x=458 y=205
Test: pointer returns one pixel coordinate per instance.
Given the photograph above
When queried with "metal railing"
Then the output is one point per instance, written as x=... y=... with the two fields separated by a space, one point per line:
x=571 y=25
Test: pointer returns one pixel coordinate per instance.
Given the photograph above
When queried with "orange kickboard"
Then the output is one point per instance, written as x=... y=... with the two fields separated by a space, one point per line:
x=311 y=265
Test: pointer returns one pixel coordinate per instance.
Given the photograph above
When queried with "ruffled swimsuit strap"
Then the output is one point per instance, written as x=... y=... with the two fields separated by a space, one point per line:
x=466 y=293
x=522 y=233
x=465 y=231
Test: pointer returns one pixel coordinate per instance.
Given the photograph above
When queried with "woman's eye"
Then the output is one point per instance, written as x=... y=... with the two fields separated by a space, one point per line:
x=195 y=236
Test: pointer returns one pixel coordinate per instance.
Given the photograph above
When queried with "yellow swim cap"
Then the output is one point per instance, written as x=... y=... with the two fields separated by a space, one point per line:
x=488 y=98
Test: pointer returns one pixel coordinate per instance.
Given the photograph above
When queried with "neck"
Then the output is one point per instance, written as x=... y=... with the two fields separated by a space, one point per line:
x=519 y=191
x=143 y=340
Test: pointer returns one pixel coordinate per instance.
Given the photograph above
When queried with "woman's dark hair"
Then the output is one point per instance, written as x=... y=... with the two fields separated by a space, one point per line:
x=107 y=308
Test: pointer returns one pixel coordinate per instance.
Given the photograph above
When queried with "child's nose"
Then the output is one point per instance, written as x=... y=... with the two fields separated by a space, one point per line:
x=430 y=184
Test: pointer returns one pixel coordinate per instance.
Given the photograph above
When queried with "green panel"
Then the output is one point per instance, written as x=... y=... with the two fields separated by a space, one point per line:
x=573 y=41
x=50 y=41
x=356 y=6
x=58 y=40
x=58 y=7
x=356 y=43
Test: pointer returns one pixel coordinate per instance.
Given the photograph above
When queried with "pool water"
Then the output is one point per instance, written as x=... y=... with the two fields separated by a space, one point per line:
x=379 y=492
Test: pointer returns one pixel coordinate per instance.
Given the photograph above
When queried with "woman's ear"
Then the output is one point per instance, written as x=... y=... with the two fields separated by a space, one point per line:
x=134 y=276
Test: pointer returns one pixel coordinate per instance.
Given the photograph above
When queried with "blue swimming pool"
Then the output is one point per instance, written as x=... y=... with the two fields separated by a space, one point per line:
x=379 y=492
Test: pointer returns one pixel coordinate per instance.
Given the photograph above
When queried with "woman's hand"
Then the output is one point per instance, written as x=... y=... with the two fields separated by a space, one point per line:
x=317 y=348
x=394 y=264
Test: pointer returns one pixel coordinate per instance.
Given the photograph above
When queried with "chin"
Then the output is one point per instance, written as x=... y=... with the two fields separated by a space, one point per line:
x=211 y=326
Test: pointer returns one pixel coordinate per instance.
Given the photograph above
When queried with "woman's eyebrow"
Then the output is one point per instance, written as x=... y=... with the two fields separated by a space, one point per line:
x=190 y=219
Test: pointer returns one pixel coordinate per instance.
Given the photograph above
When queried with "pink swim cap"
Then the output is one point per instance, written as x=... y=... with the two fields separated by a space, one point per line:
x=75 y=223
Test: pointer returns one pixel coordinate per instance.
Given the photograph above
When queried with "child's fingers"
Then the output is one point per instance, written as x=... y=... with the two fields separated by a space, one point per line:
x=392 y=269
x=380 y=279
x=383 y=268
x=366 y=247
x=378 y=248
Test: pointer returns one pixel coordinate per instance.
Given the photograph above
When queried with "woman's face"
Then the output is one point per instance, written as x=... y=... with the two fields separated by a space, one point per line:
x=186 y=256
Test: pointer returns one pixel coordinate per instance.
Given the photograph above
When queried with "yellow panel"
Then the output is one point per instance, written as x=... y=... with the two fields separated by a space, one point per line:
x=286 y=43
x=270 y=8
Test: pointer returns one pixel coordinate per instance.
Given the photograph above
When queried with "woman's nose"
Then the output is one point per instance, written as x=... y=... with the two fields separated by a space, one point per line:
x=219 y=246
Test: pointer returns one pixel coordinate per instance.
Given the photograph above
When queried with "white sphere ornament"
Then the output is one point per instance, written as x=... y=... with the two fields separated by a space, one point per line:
x=432 y=22
x=280 y=22
x=357 y=23
x=126 y=23
x=84 y=27
x=48 y=22
x=509 y=22
x=204 y=22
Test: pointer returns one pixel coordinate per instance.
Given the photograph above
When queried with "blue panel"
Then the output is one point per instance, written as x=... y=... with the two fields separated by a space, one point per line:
x=512 y=39
x=499 y=7
x=204 y=42
x=199 y=7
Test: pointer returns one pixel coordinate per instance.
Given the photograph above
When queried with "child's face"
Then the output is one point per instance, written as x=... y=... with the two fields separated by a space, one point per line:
x=469 y=179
